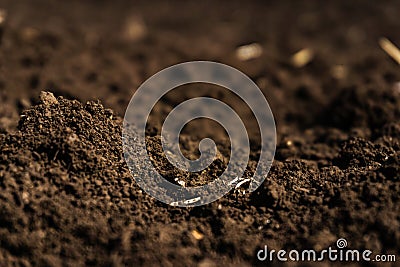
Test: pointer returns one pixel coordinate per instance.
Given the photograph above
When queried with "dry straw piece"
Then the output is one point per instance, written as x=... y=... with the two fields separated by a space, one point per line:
x=302 y=58
x=390 y=49
x=3 y=16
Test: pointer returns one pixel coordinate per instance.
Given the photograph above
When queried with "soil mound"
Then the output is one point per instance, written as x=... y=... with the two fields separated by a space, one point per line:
x=67 y=196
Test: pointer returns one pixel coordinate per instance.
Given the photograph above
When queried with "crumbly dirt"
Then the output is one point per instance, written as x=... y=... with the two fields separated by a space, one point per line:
x=67 y=197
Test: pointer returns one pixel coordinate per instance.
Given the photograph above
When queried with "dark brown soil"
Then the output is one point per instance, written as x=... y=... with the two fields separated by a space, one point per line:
x=67 y=197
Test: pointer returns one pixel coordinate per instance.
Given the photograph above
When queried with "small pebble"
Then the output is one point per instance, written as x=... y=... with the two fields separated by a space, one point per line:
x=29 y=34
x=339 y=72
x=207 y=263
x=396 y=88
x=250 y=51
x=197 y=235
x=135 y=29
x=25 y=197
x=72 y=139
x=48 y=98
